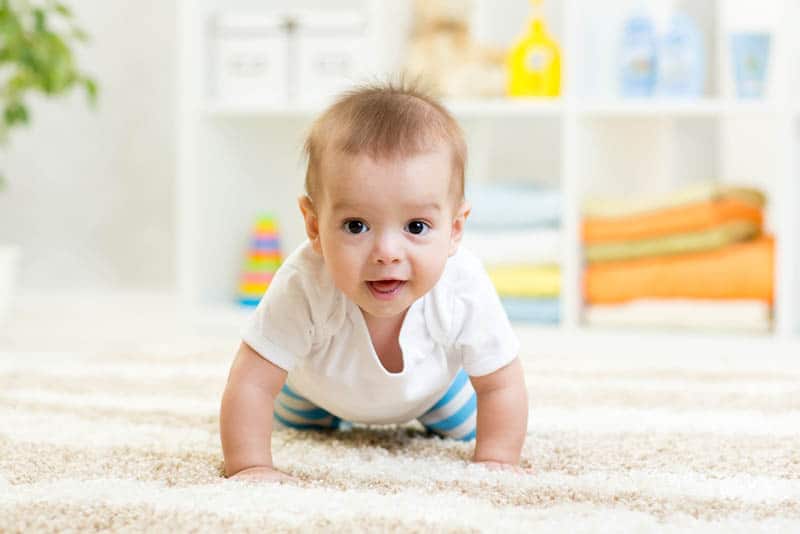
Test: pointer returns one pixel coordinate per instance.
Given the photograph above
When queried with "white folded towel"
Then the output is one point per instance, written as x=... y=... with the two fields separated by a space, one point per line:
x=752 y=316
x=531 y=247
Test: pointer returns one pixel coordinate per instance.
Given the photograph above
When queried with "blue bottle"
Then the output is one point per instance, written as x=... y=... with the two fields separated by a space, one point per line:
x=637 y=68
x=681 y=59
x=750 y=61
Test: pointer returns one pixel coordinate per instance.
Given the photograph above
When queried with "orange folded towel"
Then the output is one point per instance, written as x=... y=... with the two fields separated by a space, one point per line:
x=677 y=220
x=740 y=271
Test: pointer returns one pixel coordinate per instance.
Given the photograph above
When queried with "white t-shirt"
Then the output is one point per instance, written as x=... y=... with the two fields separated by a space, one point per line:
x=309 y=328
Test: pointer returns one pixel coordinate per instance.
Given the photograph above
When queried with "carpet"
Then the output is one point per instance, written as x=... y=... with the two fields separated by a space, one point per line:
x=128 y=440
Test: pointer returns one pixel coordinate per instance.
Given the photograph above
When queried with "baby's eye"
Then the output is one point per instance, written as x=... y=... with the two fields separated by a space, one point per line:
x=354 y=226
x=417 y=227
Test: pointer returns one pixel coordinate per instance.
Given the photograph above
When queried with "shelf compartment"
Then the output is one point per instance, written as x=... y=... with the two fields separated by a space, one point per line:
x=598 y=29
x=627 y=156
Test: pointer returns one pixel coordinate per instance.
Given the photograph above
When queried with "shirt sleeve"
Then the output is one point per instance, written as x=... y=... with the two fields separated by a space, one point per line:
x=281 y=329
x=483 y=332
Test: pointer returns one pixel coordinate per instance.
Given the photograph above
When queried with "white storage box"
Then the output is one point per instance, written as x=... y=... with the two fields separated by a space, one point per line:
x=330 y=53
x=251 y=59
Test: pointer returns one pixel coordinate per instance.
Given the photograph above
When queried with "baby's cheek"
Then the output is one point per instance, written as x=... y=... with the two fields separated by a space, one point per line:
x=433 y=270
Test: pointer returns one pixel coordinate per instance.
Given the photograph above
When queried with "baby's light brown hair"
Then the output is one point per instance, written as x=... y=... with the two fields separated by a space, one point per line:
x=384 y=121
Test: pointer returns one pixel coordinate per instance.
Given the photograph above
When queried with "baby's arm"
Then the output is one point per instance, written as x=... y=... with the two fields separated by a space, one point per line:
x=246 y=416
x=502 y=415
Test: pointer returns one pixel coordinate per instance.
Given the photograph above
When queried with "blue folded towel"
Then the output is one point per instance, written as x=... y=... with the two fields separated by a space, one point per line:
x=504 y=205
x=529 y=310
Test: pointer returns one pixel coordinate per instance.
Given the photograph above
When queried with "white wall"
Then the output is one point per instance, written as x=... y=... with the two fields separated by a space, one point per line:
x=90 y=193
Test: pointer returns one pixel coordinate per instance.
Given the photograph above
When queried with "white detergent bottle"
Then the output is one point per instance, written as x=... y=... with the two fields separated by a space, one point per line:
x=637 y=54
x=681 y=58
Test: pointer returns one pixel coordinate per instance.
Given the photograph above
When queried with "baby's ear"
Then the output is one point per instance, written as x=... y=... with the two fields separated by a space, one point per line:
x=457 y=231
x=312 y=223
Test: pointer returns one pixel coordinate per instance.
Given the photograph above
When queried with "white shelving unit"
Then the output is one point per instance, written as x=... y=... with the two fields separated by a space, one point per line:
x=236 y=161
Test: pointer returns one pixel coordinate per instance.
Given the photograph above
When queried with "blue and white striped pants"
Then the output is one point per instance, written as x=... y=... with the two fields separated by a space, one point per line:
x=453 y=416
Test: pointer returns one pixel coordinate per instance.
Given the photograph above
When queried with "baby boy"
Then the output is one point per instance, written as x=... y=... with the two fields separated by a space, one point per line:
x=379 y=317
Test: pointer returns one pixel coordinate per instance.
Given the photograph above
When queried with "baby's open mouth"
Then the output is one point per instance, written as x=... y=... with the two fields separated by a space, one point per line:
x=385 y=289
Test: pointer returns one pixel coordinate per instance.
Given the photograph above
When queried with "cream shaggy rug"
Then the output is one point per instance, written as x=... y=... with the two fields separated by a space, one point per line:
x=122 y=436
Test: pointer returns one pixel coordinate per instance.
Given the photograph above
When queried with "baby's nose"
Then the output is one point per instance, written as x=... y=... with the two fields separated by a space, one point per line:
x=387 y=250
x=388 y=260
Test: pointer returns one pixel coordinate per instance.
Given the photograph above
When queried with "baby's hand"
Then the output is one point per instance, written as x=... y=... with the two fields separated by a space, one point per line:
x=499 y=466
x=263 y=474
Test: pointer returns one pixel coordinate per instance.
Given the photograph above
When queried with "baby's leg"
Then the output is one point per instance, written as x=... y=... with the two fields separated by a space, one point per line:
x=294 y=411
x=454 y=416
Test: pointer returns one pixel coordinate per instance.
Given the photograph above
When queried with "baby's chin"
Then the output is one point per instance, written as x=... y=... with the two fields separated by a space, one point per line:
x=384 y=310
x=382 y=307
x=384 y=314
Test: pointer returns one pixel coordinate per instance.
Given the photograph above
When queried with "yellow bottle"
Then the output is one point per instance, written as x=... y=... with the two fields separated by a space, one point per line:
x=534 y=63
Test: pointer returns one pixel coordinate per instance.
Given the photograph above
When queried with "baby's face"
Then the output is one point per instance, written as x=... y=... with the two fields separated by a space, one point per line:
x=387 y=227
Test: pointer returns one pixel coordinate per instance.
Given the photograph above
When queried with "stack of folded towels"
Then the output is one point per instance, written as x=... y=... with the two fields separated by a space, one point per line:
x=697 y=258
x=514 y=230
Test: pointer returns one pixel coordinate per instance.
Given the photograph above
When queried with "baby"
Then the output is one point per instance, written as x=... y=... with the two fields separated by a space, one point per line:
x=379 y=317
